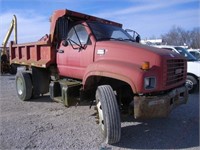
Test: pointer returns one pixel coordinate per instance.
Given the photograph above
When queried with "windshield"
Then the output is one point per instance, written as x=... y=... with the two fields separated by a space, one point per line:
x=185 y=53
x=108 y=32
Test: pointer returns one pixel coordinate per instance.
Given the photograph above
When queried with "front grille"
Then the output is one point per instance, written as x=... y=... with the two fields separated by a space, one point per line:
x=175 y=71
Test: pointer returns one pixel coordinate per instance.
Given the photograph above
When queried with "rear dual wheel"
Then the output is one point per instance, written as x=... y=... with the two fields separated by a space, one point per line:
x=108 y=114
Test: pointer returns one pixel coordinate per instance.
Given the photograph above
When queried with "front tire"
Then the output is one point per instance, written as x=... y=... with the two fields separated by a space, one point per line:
x=191 y=83
x=108 y=114
x=23 y=85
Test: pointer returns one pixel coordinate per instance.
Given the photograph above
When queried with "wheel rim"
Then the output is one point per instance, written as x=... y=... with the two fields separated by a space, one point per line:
x=189 y=84
x=20 y=87
x=100 y=113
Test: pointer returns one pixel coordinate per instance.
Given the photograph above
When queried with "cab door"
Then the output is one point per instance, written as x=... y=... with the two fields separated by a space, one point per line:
x=73 y=59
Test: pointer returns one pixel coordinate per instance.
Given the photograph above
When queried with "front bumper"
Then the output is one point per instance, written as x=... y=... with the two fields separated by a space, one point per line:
x=159 y=106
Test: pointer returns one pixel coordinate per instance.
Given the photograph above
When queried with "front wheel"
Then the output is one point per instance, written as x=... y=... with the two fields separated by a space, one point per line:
x=108 y=114
x=23 y=85
x=191 y=83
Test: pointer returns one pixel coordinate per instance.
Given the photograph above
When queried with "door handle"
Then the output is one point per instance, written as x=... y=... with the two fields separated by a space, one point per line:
x=60 y=51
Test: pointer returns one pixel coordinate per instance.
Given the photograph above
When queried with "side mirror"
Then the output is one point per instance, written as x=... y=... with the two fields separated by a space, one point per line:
x=137 y=39
x=65 y=43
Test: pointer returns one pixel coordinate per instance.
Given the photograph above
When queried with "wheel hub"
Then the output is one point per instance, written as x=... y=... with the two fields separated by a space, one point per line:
x=189 y=84
x=20 y=87
x=100 y=113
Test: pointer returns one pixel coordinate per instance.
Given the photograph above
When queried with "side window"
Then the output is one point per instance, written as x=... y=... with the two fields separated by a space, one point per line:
x=77 y=33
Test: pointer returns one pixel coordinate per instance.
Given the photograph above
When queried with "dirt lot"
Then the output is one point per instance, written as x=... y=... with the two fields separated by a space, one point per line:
x=43 y=124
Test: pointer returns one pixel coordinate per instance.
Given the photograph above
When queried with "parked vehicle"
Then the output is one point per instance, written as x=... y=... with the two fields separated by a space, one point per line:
x=195 y=53
x=89 y=58
x=193 y=66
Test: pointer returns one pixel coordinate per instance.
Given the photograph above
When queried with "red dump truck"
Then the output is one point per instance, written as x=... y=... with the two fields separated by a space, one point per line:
x=89 y=58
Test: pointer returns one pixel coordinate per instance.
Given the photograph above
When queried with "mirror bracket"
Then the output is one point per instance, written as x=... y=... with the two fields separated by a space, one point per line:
x=65 y=43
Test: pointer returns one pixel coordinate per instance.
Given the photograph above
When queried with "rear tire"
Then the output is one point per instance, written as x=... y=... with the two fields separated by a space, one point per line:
x=191 y=83
x=23 y=85
x=108 y=114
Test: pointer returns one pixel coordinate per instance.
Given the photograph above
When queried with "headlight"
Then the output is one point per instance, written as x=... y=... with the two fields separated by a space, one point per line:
x=149 y=83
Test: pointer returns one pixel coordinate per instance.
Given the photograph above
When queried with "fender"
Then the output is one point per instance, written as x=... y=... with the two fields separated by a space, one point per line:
x=124 y=71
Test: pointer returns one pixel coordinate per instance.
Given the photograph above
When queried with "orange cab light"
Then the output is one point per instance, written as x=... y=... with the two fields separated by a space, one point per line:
x=145 y=65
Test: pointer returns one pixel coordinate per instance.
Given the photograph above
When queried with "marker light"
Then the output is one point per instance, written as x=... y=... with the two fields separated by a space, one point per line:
x=149 y=83
x=145 y=65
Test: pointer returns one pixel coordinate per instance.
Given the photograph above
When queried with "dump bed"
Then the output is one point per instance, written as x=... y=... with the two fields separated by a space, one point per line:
x=39 y=54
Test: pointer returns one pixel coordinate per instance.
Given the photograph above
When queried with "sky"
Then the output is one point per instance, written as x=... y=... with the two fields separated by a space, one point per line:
x=150 y=18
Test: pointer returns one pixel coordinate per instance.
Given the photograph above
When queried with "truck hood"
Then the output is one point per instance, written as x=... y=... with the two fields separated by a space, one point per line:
x=133 y=52
x=123 y=60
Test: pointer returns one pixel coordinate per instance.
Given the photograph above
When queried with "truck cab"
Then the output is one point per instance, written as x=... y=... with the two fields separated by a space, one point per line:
x=79 y=48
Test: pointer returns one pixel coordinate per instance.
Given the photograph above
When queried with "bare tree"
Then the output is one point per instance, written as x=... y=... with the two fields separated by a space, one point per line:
x=178 y=36
x=195 y=38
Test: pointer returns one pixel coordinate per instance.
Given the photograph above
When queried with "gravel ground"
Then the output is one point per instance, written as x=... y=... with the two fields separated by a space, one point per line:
x=43 y=124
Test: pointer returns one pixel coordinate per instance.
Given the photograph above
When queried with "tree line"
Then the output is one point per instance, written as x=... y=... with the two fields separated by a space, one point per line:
x=178 y=36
